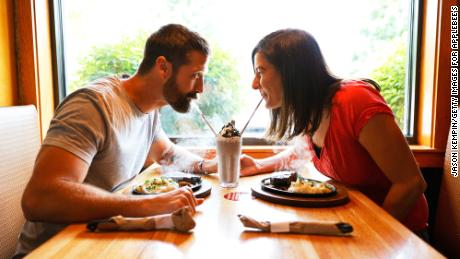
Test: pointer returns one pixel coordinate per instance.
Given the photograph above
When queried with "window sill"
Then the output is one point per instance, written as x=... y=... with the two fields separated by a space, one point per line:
x=426 y=157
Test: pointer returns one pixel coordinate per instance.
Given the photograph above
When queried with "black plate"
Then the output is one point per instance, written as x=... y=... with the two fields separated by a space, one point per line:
x=193 y=181
x=266 y=186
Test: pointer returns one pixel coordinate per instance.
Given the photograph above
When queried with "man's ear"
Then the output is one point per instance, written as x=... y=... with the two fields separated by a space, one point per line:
x=164 y=66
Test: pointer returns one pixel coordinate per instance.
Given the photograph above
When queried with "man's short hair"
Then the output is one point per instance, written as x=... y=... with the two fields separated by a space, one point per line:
x=174 y=42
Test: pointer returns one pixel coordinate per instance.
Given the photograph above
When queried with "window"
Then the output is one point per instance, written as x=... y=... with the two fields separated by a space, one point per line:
x=359 y=38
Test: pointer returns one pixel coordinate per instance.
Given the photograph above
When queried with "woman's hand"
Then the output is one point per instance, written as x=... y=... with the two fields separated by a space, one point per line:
x=249 y=165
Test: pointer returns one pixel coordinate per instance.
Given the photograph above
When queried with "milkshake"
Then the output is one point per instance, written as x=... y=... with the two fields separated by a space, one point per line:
x=228 y=143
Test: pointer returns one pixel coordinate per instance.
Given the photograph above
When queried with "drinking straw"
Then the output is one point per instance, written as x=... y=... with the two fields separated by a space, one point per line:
x=205 y=120
x=251 y=116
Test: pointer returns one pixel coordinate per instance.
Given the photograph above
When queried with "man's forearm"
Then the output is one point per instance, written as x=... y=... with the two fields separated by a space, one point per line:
x=179 y=159
x=68 y=202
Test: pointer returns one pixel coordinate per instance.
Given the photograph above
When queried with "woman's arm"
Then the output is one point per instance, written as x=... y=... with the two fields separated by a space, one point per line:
x=280 y=161
x=386 y=144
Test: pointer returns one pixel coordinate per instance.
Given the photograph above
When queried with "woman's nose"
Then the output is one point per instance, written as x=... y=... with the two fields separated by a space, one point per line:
x=255 y=83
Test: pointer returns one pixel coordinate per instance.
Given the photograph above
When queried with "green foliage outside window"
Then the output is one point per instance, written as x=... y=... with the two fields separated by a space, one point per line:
x=392 y=77
x=221 y=96
x=110 y=59
x=386 y=31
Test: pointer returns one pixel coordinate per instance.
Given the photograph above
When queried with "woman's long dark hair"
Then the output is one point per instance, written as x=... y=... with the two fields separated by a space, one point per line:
x=308 y=86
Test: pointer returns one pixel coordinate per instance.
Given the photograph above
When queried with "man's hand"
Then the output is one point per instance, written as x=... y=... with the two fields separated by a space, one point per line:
x=209 y=166
x=171 y=201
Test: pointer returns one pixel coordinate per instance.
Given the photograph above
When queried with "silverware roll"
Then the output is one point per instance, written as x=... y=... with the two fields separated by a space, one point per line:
x=299 y=227
x=180 y=220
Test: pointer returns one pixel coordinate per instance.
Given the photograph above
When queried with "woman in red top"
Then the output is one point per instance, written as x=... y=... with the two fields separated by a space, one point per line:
x=348 y=127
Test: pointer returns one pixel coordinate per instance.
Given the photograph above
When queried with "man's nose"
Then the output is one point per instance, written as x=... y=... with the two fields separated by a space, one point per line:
x=199 y=85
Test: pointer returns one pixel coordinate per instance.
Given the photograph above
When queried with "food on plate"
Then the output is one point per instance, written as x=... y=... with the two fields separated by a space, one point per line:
x=290 y=182
x=157 y=185
x=283 y=179
x=166 y=183
x=309 y=186
x=185 y=183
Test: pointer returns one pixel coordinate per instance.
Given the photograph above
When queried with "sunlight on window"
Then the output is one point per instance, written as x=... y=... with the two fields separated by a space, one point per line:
x=358 y=38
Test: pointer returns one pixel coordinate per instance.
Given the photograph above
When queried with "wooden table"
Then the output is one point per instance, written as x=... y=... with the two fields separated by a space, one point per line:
x=220 y=234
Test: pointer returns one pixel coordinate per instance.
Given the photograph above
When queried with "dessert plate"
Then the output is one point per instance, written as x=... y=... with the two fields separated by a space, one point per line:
x=303 y=188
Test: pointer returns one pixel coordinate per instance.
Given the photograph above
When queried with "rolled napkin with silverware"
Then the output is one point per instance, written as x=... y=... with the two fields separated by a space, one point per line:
x=180 y=220
x=299 y=227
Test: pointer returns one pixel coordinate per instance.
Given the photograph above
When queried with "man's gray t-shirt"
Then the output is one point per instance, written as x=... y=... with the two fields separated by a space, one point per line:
x=104 y=128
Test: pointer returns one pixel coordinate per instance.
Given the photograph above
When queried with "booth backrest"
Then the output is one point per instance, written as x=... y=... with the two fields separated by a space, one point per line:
x=446 y=232
x=19 y=144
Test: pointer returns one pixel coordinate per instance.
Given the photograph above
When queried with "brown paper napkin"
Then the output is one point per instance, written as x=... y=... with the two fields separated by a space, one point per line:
x=299 y=227
x=180 y=220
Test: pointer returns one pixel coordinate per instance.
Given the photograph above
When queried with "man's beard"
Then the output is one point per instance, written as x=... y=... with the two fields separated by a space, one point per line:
x=179 y=102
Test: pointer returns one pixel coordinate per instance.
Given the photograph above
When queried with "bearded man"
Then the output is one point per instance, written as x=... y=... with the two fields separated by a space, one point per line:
x=104 y=134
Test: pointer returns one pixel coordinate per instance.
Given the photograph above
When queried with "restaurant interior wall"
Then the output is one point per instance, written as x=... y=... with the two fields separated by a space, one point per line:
x=8 y=88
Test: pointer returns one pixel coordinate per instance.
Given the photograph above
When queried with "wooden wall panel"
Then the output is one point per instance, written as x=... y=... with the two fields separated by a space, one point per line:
x=45 y=71
x=26 y=53
x=434 y=101
x=33 y=40
x=8 y=87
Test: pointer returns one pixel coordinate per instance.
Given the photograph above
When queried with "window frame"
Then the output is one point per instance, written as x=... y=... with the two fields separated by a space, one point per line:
x=413 y=68
x=57 y=41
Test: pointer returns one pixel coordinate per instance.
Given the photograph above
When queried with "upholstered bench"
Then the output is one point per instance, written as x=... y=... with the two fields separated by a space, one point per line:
x=19 y=144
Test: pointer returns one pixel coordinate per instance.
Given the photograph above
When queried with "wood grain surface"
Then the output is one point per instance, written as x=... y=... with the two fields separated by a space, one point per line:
x=220 y=234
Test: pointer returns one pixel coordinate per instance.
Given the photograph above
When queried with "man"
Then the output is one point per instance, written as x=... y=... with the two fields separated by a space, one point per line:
x=103 y=135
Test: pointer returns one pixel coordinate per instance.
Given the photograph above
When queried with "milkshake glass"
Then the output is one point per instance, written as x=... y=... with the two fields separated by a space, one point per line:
x=228 y=145
x=228 y=160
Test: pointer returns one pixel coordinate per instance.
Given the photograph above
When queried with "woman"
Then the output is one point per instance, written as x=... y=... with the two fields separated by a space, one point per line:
x=349 y=129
